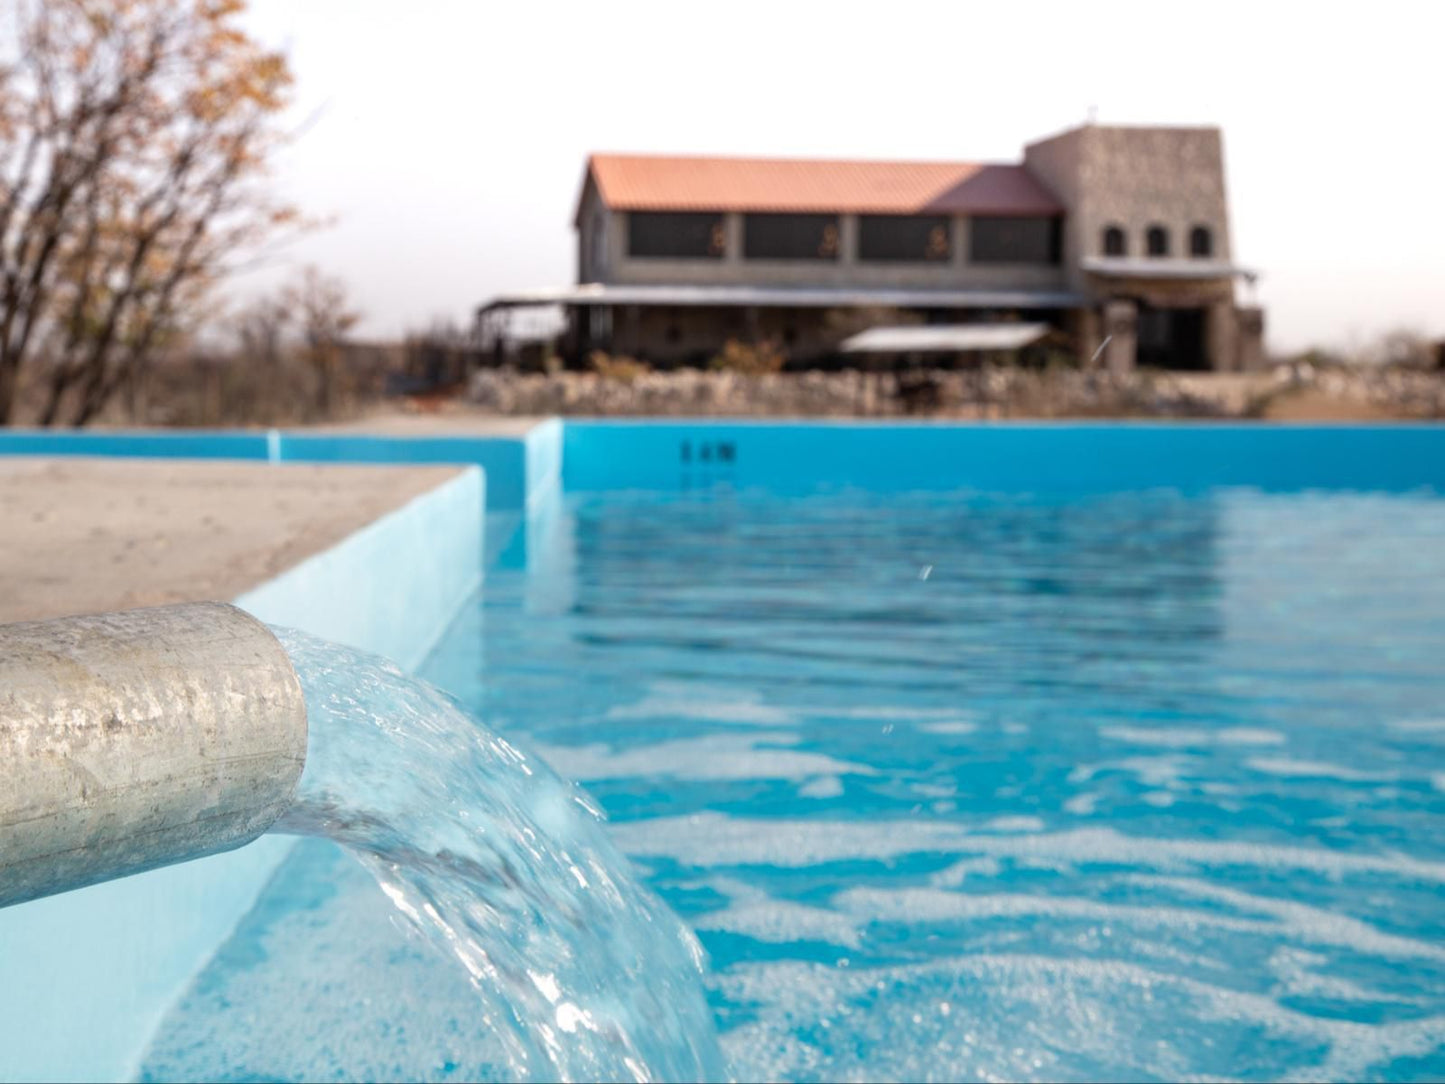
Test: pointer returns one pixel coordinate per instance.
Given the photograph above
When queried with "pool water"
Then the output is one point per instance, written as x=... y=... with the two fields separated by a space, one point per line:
x=1131 y=786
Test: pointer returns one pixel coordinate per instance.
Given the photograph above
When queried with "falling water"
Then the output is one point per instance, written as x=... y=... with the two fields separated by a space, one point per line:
x=580 y=973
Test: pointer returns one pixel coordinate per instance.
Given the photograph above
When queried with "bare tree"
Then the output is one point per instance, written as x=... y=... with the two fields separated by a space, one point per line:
x=439 y=356
x=323 y=311
x=260 y=330
x=134 y=135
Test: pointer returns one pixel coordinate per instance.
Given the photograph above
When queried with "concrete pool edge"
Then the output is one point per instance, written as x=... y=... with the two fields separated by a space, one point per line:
x=518 y=467
x=90 y=974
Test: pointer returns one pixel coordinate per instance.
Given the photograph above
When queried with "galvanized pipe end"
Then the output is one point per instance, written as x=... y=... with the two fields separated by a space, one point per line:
x=134 y=740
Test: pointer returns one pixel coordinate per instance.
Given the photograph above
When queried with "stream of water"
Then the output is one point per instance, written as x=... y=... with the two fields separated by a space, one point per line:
x=578 y=972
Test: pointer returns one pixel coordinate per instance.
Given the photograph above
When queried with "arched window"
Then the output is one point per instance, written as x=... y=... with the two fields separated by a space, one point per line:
x=1115 y=242
x=1201 y=241
x=1157 y=240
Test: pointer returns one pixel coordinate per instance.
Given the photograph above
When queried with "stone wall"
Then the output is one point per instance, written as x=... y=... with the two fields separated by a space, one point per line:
x=989 y=392
x=1135 y=178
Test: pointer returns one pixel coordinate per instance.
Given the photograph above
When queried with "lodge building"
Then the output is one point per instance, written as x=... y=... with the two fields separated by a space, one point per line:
x=1111 y=244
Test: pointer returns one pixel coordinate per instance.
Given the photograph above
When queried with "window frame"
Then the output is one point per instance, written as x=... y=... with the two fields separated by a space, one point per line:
x=1160 y=233
x=1196 y=235
x=930 y=223
x=715 y=221
x=1055 y=241
x=824 y=222
x=1114 y=232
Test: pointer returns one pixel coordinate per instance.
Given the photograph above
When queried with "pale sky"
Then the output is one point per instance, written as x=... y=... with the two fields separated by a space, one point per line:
x=448 y=138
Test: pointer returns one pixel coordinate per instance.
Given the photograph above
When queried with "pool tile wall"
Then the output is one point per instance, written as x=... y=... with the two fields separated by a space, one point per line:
x=1000 y=457
x=86 y=976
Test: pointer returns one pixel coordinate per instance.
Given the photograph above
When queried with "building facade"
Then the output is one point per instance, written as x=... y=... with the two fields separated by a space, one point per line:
x=1109 y=243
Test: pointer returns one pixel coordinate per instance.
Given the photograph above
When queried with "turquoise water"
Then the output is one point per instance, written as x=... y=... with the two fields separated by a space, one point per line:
x=1137 y=786
x=1140 y=786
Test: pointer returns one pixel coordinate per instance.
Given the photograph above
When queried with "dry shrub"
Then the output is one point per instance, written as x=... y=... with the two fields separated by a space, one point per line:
x=617 y=366
x=750 y=359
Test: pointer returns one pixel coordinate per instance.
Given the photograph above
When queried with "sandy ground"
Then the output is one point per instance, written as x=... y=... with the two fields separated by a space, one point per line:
x=456 y=422
x=87 y=535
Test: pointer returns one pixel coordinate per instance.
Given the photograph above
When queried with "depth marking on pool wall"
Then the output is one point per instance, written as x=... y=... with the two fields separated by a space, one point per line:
x=705 y=462
x=708 y=451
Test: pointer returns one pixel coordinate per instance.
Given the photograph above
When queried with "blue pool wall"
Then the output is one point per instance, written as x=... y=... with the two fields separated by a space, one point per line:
x=526 y=473
x=86 y=976
x=1062 y=457
x=366 y=593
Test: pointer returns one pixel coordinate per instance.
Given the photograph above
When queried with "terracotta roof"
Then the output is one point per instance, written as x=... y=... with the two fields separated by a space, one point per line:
x=634 y=182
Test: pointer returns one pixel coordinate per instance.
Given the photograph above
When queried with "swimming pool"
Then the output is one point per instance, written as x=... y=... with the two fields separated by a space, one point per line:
x=969 y=752
x=1134 y=783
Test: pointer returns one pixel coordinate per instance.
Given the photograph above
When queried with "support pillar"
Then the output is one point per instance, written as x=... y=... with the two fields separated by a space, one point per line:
x=1249 y=323
x=1121 y=332
x=1221 y=338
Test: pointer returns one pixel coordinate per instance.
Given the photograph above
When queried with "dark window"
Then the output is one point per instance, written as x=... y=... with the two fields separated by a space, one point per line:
x=790 y=237
x=1015 y=240
x=1201 y=241
x=1115 y=242
x=1156 y=241
x=906 y=238
x=676 y=236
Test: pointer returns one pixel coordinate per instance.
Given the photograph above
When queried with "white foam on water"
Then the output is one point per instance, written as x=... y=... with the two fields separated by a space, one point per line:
x=953 y=727
x=1284 y=918
x=927 y=716
x=1314 y=769
x=968 y=869
x=1298 y=975
x=330 y=988
x=1418 y=726
x=1303 y=921
x=782 y=922
x=1015 y=824
x=712 y=757
x=825 y=786
x=712 y=840
x=1029 y=1017
x=1187 y=738
x=679 y=700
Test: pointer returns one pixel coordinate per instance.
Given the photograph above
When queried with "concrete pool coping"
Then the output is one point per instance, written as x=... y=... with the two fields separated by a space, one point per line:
x=91 y=973
x=93 y=535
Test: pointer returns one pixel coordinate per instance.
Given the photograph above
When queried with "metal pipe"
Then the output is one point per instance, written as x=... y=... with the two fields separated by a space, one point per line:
x=138 y=739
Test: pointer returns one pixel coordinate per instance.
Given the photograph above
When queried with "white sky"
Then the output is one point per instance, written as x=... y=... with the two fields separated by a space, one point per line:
x=449 y=135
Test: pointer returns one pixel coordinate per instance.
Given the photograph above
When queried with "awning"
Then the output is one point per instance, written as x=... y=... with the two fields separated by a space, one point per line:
x=943 y=338
x=596 y=293
x=1140 y=267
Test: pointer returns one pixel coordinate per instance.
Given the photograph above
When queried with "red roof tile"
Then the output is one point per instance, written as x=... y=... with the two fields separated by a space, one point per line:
x=630 y=182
